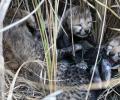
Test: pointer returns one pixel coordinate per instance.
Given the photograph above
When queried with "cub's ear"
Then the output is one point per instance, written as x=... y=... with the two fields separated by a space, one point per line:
x=15 y=14
x=31 y=20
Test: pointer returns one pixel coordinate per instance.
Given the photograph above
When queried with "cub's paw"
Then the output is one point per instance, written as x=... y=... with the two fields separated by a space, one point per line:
x=77 y=47
x=83 y=65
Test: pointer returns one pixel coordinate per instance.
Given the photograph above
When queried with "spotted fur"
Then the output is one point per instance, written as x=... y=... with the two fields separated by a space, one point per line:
x=113 y=49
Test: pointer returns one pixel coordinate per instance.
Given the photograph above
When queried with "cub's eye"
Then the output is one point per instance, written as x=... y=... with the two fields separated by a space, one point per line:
x=110 y=47
x=111 y=54
x=118 y=54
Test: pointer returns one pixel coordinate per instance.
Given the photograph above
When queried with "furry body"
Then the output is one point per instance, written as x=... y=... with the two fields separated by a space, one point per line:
x=20 y=46
x=77 y=24
x=113 y=49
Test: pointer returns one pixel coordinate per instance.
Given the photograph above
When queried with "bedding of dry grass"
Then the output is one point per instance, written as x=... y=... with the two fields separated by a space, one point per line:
x=27 y=83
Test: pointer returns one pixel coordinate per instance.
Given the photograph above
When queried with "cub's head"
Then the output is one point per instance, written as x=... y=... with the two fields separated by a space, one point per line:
x=113 y=49
x=79 y=21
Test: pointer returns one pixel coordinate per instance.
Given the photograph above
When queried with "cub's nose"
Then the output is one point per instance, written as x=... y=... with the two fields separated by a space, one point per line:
x=111 y=54
x=86 y=31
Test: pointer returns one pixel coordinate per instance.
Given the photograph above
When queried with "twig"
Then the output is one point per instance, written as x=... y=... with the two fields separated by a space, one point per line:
x=101 y=38
x=15 y=77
